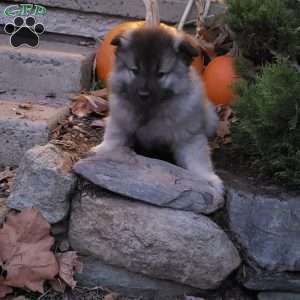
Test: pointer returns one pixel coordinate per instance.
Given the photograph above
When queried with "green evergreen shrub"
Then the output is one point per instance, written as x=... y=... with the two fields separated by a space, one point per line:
x=268 y=121
x=266 y=28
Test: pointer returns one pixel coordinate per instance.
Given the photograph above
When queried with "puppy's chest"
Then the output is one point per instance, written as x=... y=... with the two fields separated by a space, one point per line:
x=160 y=128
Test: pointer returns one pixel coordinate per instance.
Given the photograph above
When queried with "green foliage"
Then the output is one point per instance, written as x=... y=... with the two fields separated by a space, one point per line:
x=266 y=28
x=268 y=126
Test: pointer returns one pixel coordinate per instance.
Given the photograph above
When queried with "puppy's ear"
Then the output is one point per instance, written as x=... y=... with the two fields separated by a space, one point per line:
x=187 y=49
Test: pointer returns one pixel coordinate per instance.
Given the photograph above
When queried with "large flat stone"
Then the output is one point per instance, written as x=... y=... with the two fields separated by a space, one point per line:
x=22 y=129
x=170 y=10
x=97 y=273
x=51 y=69
x=150 y=180
x=44 y=181
x=266 y=223
x=158 y=242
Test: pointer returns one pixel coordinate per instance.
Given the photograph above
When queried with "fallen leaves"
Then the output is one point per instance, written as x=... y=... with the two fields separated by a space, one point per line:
x=91 y=102
x=25 y=253
x=69 y=264
x=6 y=181
x=226 y=117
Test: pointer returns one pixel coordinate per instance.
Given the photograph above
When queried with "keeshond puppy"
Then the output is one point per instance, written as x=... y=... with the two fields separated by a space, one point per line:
x=157 y=102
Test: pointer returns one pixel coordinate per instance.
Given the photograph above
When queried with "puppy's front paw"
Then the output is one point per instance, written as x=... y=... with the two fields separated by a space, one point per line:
x=216 y=183
x=101 y=148
x=214 y=186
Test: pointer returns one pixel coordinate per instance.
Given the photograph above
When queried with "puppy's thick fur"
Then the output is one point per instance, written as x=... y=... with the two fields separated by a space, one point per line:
x=157 y=101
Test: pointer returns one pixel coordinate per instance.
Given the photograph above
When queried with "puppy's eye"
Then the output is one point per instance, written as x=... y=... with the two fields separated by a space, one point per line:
x=134 y=71
x=161 y=74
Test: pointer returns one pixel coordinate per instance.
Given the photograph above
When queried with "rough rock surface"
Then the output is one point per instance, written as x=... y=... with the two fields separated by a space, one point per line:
x=97 y=273
x=278 y=296
x=44 y=181
x=22 y=129
x=267 y=226
x=158 y=242
x=150 y=180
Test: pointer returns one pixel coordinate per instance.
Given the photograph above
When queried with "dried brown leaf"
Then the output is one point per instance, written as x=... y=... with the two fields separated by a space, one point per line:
x=69 y=264
x=25 y=251
x=5 y=290
x=86 y=104
x=100 y=93
x=6 y=174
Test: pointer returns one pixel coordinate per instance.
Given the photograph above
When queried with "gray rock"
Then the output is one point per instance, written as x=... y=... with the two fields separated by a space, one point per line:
x=97 y=273
x=270 y=281
x=266 y=223
x=150 y=180
x=278 y=296
x=158 y=242
x=170 y=10
x=44 y=181
x=51 y=69
x=22 y=129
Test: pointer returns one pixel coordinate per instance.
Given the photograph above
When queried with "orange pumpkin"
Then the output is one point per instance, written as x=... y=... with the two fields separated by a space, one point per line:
x=219 y=77
x=105 y=53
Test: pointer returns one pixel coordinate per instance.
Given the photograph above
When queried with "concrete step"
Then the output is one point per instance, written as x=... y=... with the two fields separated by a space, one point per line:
x=22 y=129
x=170 y=10
x=71 y=22
x=54 y=70
x=92 y=18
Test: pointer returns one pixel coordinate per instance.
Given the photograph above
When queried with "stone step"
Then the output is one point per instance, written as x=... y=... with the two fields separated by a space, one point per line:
x=21 y=129
x=71 y=22
x=55 y=70
x=170 y=10
x=92 y=18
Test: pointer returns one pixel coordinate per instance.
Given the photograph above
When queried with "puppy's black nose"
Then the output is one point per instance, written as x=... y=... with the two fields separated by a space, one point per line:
x=143 y=94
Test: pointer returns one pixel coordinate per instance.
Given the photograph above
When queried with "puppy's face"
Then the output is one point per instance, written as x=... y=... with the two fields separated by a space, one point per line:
x=152 y=65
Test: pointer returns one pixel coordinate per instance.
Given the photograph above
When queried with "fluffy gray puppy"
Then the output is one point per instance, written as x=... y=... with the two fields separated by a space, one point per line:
x=157 y=102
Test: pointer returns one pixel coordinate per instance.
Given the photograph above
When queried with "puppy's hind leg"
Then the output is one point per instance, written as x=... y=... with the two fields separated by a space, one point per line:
x=194 y=155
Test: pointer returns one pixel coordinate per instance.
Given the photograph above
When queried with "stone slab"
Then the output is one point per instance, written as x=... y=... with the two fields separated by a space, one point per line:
x=150 y=180
x=51 y=69
x=158 y=242
x=97 y=273
x=22 y=129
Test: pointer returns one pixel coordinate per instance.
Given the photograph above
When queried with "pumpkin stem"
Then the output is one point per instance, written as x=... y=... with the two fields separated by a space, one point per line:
x=152 y=13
